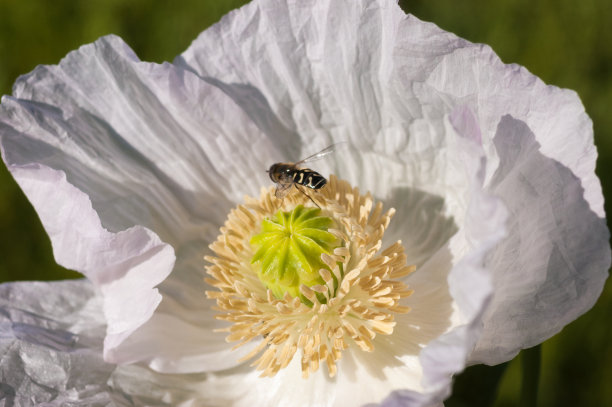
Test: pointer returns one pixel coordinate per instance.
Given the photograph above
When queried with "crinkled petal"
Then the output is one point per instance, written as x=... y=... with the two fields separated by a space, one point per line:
x=51 y=345
x=151 y=146
x=552 y=266
x=289 y=51
x=540 y=161
x=392 y=121
x=126 y=266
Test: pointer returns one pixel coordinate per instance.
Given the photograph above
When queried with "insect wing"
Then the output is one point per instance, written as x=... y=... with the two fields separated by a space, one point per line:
x=317 y=156
x=282 y=190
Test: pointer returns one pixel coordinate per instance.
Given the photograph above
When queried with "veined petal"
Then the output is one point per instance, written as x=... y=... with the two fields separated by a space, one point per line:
x=541 y=159
x=125 y=266
x=149 y=146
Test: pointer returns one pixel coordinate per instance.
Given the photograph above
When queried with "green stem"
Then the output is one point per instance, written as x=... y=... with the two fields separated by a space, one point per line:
x=530 y=361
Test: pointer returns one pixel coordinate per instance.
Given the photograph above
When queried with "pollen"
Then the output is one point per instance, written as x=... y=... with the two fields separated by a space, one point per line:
x=349 y=291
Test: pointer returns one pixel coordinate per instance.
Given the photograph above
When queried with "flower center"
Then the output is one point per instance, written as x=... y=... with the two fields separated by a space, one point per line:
x=305 y=280
x=289 y=249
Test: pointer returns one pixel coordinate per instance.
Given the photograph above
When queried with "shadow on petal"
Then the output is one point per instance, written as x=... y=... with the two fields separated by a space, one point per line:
x=256 y=107
x=420 y=222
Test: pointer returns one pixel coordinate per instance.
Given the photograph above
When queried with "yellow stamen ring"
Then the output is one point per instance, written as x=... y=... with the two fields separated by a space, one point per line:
x=361 y=289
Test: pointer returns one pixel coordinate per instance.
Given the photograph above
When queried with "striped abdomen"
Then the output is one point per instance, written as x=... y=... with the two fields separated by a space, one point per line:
x=309 y=178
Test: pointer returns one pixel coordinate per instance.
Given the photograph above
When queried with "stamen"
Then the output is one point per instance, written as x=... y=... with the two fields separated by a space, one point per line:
x=346 y=294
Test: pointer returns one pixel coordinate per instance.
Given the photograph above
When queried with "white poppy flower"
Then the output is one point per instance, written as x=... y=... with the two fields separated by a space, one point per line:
x=133 y=167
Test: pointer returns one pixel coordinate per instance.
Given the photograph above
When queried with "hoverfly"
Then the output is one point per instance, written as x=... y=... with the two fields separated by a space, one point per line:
x=286 y=175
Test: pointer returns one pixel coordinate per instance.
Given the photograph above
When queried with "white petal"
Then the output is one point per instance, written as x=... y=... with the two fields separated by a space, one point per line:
x=126 y=266
x=310 y=85
x=369 y=91
x=51 y=338
x=171 y=345
x=290 y=55
x=552 y=266
x=150 y=145
x=143 y=386
x=51 y=345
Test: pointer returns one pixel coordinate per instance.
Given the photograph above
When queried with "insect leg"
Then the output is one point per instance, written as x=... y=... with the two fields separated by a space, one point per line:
x=308 y=196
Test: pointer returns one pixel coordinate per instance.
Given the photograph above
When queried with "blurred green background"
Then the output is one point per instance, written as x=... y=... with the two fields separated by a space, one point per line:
x=566 y=43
